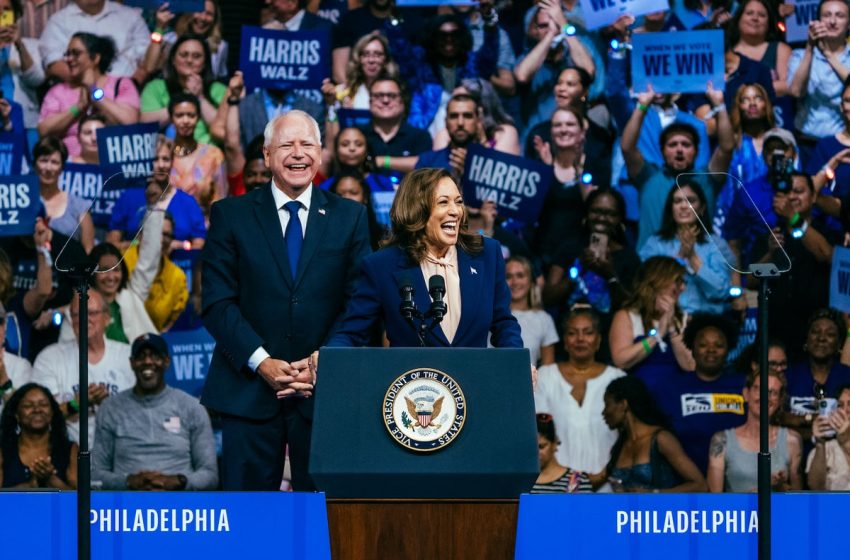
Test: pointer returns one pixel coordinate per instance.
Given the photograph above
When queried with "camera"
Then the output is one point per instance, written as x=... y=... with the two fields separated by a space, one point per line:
x=779 y=172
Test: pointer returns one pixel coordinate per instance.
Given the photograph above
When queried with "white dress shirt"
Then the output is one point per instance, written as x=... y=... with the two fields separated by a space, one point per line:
x=280 y=199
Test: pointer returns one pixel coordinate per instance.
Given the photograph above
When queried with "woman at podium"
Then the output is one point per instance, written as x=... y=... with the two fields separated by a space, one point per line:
x=433 y=283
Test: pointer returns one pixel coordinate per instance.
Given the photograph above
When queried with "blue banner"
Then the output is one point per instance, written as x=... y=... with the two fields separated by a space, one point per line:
x=174 y=6
x=639 y=526
x=678 y=62
x=839 y=281
x=168 y=525
x=354 y=118
x=129 y=149
x=601 y=13
x=517 y=185
x=12 y=147
x=797 y=24
x=277 y=59
x=191 y=353
x=19 y=204
x=186 y=259
x=86 y=181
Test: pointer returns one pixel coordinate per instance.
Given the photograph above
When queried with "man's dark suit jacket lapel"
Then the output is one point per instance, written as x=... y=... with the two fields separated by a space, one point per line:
x=317 y=223
x=267 y=216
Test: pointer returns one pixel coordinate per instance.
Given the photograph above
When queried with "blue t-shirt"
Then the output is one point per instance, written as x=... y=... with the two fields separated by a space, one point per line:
x=434 y=158
x=130 y=209
x=696 y=409
x=824 y=150
x=801 y=386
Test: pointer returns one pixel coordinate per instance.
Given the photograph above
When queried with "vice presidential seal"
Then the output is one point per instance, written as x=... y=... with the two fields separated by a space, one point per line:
x=424 y=409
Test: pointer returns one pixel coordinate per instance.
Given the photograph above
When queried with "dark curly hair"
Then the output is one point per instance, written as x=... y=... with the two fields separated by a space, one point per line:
x=102 y=250
x=641 y=404
x=98 y=45
x=172 y=80
x=702 y=321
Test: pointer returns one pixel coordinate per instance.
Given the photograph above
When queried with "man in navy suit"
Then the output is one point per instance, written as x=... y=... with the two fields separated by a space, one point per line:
x=278 y=267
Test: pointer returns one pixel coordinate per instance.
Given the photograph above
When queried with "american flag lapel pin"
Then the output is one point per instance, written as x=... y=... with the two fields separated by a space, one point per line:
x=472 y=270
x=322 y=211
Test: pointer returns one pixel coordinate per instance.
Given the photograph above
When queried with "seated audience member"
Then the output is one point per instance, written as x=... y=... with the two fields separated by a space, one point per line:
x=87 y=138
x=733 y=453
x=538 y=329
x=393 y=144
x=64 y=210
x=187 y=70
x=353 y=187
x=646 y=456
x=572 y=391
x=125 y=293
x=828 y=466
x=752 y=201
x=708 y=399
x=548 y=53
x=571 y=90
x=646 y=333
x=89 y=89
x=577 y=173
x=169 y=292
x=497 y=127
x=829 y=163
x=444 y=59
x=122 y=24
x=131 y=206
x=57 y=367
x=35 y=451
x=754 y=32
x=197 y=168
x=679 y=143
x=370 y=58
x=14 y=371
x=351 y=157
x=154 y=437
x=707 y=261
x=816 y=75
x=808 y=240
x=206 y=24
x=554 y=477
x=825 y=335
x=599 y=266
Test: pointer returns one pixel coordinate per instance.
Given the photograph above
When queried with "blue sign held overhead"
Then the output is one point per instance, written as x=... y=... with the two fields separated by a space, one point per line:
x=19 y=204
x=601 y=13
x=678 y=62
x=87 y=181
x=839 y=281
x=130 y=149
x=517 y=185
x=797 y=24
x=277 y=59
x=174 y=6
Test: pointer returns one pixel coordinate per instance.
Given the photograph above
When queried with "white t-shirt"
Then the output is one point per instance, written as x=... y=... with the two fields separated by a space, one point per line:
x=57 y=368
x=19 y=371
x=538 y=330
x=586 y=440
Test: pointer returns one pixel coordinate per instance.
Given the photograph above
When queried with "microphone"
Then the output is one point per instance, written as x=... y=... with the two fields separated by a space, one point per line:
x=407 y=308
x=437 y=289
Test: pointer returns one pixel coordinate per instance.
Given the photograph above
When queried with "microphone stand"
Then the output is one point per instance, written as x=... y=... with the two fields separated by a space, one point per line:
x=80 y=274
x=764 y=272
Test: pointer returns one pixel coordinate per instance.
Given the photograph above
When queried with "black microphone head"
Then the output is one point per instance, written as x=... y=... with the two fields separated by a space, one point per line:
x=405 y=285
x=437 y=283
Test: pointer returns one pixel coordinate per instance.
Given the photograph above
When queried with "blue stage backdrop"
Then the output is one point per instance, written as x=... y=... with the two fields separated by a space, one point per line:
x=166 y=526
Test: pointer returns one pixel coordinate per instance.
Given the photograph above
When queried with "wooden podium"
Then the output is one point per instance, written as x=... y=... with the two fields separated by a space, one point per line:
x=367 y=529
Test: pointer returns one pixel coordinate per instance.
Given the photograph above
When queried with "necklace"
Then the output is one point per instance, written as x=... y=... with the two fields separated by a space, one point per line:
x=183 y=151
x=581 y=371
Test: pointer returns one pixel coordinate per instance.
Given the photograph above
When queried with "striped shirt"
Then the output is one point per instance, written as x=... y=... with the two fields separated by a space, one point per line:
x=36 y=13
x=568 y=483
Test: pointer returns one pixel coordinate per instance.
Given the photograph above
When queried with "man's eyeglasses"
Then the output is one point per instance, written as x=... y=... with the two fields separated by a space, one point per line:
x=385 y=96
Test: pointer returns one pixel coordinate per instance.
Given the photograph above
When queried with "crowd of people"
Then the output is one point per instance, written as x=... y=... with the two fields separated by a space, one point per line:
x=632 y=287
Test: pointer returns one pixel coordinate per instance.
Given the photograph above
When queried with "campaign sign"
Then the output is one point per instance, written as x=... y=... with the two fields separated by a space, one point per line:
x=11 y=153
x=601 y=13
x=86 y=181
x=354 y=118
x=278 y=59
x=174 y=6
x=678 y=62
x=19 y=204
x=130 y=149
x=839 y=281
x=168 y=525
x=638 y=526
x=797 y=24
x=517 y=185
x=191 y=354
x=414 y=3
x=186 y=259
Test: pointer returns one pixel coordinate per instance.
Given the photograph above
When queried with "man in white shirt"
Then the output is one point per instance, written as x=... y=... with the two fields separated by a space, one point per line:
x=14 y=370
x=57 y=367
x=122 y=24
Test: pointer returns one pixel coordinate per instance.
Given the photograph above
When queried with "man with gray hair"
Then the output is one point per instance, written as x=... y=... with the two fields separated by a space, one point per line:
x=278 y=266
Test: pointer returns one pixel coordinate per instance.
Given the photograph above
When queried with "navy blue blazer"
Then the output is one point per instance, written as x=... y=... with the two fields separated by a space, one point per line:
x=485 y=301
x=250 y=298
